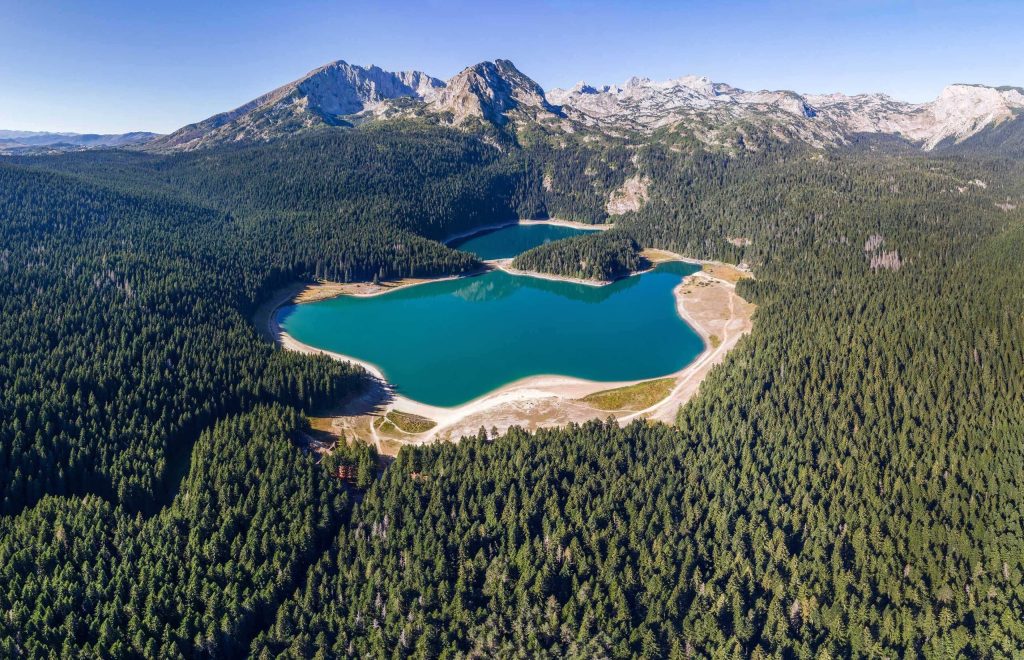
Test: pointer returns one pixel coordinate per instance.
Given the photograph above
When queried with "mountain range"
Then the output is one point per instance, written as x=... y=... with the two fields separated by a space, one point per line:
x=715 y=114
x=21 y=142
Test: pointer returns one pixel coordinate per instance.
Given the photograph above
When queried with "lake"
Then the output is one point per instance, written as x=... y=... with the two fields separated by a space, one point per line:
x=448 y=342
x=507 y=242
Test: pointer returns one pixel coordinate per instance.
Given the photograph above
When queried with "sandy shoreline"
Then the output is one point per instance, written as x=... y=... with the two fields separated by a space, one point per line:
x=505 y=265
x=706 y=302
x=287 y=342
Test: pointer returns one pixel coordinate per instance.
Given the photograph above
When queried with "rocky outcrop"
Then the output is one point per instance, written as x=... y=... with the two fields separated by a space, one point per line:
x=630 y=196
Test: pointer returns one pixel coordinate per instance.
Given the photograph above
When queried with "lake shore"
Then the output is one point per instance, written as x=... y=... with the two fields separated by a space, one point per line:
x=523 y=221
x=505 y=265
x=710 y=305
x=326 y=289
x=705 y=300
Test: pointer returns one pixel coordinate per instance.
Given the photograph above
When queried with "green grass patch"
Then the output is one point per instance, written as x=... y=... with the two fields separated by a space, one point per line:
x=632 y=397
x=383 y=425
x=407 y=422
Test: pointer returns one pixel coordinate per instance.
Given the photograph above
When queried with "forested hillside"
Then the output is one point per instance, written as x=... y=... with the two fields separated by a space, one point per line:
x=848 y=482
x=123 y=336
x=429 y=180
x=84 y=577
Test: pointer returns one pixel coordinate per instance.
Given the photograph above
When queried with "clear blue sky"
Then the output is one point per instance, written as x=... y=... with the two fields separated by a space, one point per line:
x=114 y=66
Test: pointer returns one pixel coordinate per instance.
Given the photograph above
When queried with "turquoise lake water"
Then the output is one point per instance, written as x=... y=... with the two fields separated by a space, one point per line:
x=507 y=242
x=446 y=343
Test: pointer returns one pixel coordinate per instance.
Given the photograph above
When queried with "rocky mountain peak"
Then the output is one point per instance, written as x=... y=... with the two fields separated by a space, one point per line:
x=491 y=90
x=340 y=88
x=323 y=96
x=583 y=88
x=977 y=102
x=959 y=112
x=636 y=81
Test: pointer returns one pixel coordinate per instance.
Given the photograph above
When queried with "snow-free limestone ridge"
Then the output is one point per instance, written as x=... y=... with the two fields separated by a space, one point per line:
x=716 y=114
x=330 y=95
x=491 y=91
x=705 y=108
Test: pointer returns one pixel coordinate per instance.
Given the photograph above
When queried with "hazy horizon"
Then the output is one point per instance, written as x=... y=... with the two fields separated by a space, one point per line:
x=116 y=68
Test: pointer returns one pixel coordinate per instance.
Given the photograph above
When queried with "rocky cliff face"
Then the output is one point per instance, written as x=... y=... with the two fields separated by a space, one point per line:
x=962 y=111
x=343 y=89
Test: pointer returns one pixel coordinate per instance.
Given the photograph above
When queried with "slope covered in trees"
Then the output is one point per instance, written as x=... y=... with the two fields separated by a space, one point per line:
x=124 y=326
x=123 y=336
x=847 y=483
x=602 y=256
x=81 y=576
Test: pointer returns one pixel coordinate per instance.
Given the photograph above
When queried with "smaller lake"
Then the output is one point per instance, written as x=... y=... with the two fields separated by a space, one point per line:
x=513 y=240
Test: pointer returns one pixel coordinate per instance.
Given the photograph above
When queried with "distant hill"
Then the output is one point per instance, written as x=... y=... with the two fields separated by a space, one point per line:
x=27 y=142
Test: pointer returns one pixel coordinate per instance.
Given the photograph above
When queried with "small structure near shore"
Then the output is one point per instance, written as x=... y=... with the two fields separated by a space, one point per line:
x=346 y=473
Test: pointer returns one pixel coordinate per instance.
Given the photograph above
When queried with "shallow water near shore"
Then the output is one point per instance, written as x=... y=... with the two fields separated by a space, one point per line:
x=445 y=343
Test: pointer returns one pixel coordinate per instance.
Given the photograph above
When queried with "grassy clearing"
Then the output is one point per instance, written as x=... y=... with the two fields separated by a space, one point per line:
x=390 y=447
x=656 y=256
x=726 y=272
x=320 y=291
x=322 y=424
x=384 y=425
x=632 y=397
x=405 y=422
x=715 y=341
x=410 y=423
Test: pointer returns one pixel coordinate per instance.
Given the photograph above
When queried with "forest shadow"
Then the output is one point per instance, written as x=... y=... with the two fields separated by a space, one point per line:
x=376 y=396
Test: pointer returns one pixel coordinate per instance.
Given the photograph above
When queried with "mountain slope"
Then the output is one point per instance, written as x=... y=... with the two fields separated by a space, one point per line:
x=848 y=483
x=325 y=96
x=492 y=90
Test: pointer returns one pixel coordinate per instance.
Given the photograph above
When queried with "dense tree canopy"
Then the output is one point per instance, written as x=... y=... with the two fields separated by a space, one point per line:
x=847 y=483
x=599 y=256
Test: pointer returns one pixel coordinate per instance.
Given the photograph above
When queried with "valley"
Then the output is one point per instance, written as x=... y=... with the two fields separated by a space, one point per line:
x=291 y=381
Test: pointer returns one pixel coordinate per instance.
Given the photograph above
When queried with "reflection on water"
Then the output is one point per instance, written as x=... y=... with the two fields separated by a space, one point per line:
x=580 y=292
